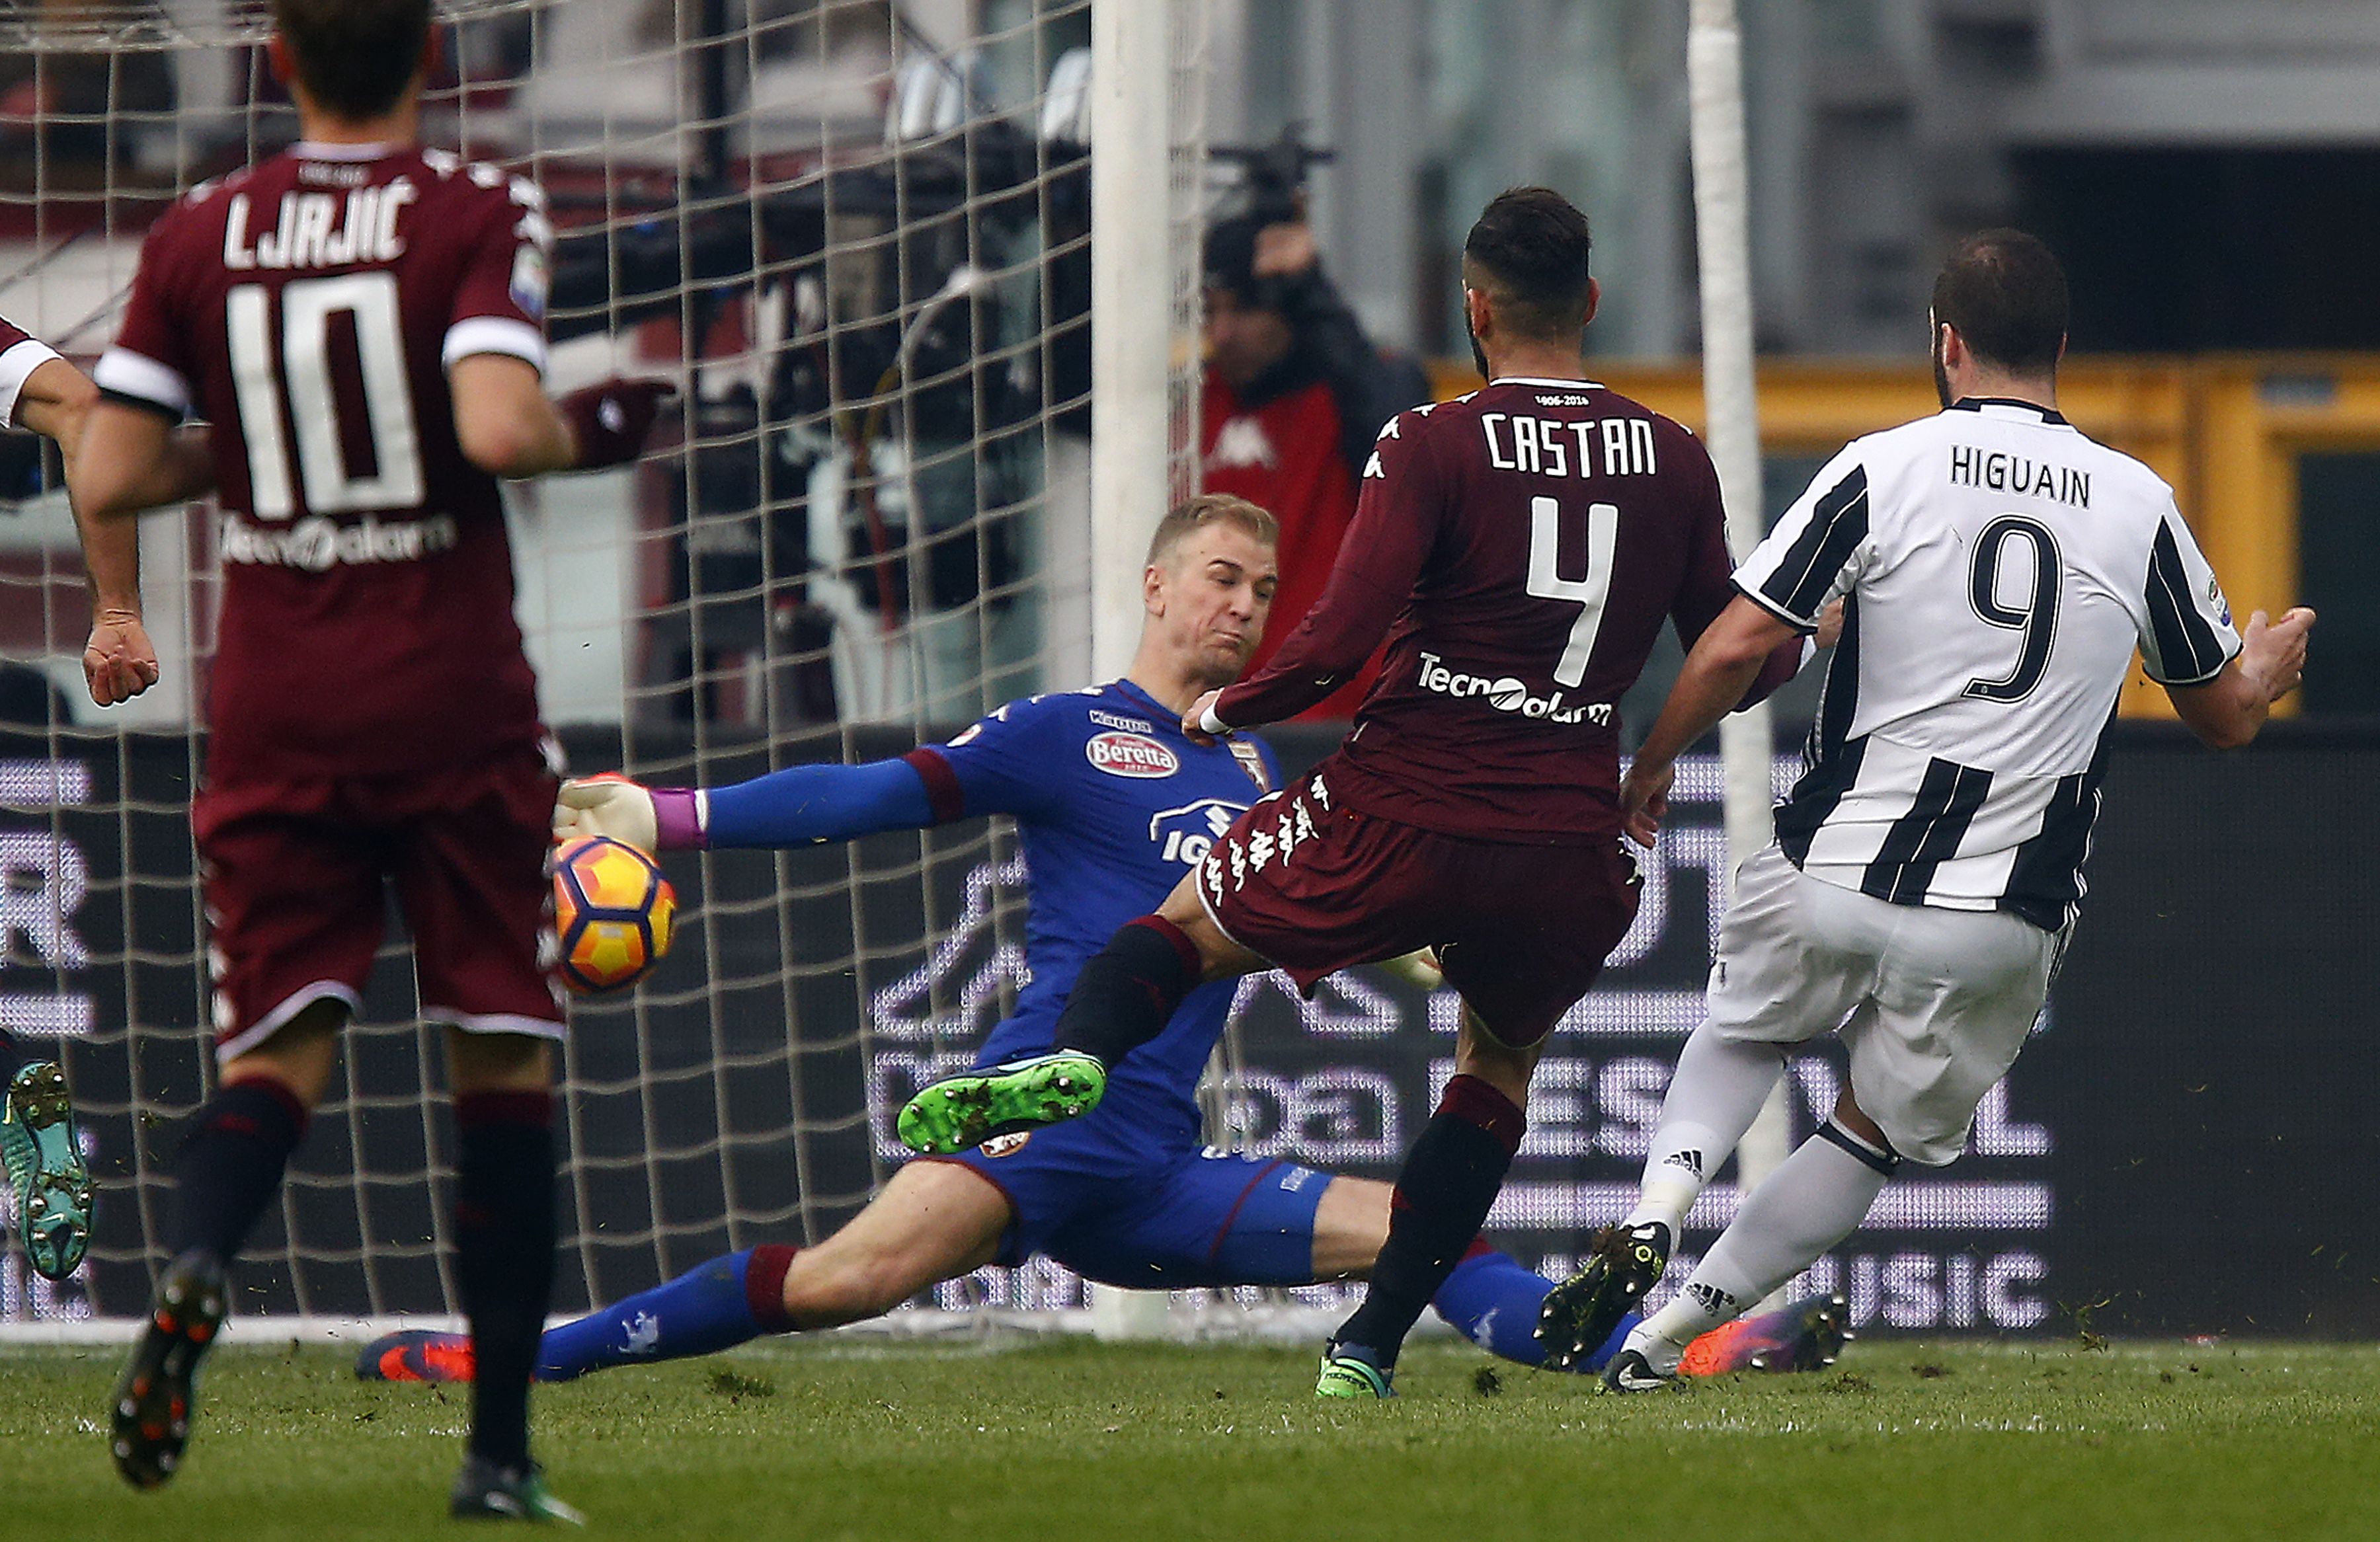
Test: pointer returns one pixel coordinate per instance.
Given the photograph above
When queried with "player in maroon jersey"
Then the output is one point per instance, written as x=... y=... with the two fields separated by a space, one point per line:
x=359 y=320
x=1520 y=549
x=39 y=1146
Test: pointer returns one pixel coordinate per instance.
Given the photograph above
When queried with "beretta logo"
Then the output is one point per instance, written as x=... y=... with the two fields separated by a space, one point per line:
x=1131 y=755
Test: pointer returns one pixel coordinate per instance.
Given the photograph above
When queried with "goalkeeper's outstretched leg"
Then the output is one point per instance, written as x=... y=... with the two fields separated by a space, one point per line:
x=1194 y=1220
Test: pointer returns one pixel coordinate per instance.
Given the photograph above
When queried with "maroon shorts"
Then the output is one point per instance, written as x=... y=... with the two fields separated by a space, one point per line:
x=1522 y=931
x=296 y=876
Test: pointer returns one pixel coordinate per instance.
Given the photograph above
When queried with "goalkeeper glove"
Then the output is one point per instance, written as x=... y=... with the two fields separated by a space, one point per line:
x=608 y=804
x=611 y=418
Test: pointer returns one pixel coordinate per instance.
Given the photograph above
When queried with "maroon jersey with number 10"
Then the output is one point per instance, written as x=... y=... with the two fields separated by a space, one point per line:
x=1521 y=547
x=308 y=310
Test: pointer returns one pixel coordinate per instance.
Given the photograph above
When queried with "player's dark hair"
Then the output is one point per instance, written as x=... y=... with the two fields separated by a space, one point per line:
x=355 y=57
x=1529 y=253
x=2005 y=293
x=1210 y=508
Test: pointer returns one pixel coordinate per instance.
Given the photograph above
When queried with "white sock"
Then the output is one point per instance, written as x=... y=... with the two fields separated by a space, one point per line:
x=1815 y=1200
x=1715 y=1096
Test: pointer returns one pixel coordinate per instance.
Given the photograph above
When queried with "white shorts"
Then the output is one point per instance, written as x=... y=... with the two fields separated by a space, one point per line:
x=1933 y=1003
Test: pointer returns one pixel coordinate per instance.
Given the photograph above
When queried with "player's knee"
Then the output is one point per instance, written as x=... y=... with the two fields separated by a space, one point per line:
x=1480 y=1053
x=498 y=1061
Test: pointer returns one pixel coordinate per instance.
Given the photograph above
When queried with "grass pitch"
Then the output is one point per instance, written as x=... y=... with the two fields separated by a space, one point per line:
x=1054 y=1441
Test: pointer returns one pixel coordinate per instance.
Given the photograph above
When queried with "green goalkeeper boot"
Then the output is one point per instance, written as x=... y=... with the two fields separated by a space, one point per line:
x=969 y=1109
x=44 y=1157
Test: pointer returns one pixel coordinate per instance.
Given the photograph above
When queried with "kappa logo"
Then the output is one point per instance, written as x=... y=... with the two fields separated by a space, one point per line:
x=1241 y=441
x=644 y=1334
x=1132 y=755
x=1006 y=1145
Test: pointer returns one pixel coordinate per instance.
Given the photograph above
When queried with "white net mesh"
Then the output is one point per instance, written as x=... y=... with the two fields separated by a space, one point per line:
x=857 y=232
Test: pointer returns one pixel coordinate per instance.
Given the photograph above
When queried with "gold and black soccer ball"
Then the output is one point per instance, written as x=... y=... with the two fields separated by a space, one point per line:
x=612 y=913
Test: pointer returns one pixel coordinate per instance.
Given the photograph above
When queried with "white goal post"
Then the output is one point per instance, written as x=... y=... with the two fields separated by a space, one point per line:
x=859 y=233
x=1723 y=252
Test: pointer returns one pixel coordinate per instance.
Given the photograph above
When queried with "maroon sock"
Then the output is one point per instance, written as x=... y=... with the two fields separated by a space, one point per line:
x=229 y=1165
x=504 y=1242
x=764 y=1286
x=1442 y=1199
x=1125 y=994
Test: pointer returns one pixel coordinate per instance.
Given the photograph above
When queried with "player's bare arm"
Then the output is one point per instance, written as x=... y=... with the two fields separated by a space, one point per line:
x=2230 y=710
x=504 y=419
x=118 y=661
x=508 y=427
x=1726 y=660
x=55 y=402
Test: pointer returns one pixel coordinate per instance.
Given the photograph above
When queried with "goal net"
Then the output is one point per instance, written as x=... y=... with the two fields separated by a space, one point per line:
x=857 y=234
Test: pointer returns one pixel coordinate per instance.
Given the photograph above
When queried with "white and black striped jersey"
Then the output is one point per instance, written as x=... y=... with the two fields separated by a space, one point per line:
x=1997 y=569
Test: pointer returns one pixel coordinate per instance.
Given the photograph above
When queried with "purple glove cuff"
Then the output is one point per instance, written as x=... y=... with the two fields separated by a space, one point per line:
x=677 y=819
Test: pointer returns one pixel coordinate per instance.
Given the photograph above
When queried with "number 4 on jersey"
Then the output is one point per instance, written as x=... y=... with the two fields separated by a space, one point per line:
x=1546 y=581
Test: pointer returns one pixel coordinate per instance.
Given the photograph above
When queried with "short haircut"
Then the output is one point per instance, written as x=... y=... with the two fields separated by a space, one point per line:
x=1529 y=254
x=2005 y=293
x=355 y=57
x=1193 y=514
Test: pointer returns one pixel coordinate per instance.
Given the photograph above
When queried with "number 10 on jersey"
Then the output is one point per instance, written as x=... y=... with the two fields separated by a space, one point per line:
x=305 y=364
x=1588 y=593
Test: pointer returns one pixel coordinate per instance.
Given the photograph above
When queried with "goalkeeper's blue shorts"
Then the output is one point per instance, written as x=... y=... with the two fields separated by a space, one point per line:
x=1163 y=1219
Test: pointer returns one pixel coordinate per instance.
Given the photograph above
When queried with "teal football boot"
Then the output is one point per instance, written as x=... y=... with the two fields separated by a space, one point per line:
x=43 y=1158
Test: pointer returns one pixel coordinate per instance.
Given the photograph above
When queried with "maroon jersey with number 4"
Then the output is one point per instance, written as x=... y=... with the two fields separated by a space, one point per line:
x=1520 y=547
x=308 y=310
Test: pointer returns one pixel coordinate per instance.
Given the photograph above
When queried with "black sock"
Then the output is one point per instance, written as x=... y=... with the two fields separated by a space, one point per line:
x=1124 y=995
x=1441 y=1200
x=503 y=1239
x=229 y=1165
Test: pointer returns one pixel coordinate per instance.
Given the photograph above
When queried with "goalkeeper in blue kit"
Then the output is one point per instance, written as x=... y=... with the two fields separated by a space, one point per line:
x=1108 y=793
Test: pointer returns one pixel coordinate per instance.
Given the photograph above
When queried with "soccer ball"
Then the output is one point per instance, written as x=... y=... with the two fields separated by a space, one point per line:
x=612 y=913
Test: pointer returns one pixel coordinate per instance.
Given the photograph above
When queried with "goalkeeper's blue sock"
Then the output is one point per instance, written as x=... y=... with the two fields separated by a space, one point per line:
x=1493 y=1302
x=721 y=1304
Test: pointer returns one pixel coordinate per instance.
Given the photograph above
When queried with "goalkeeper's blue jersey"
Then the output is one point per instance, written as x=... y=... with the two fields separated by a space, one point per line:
x=1112 y=806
